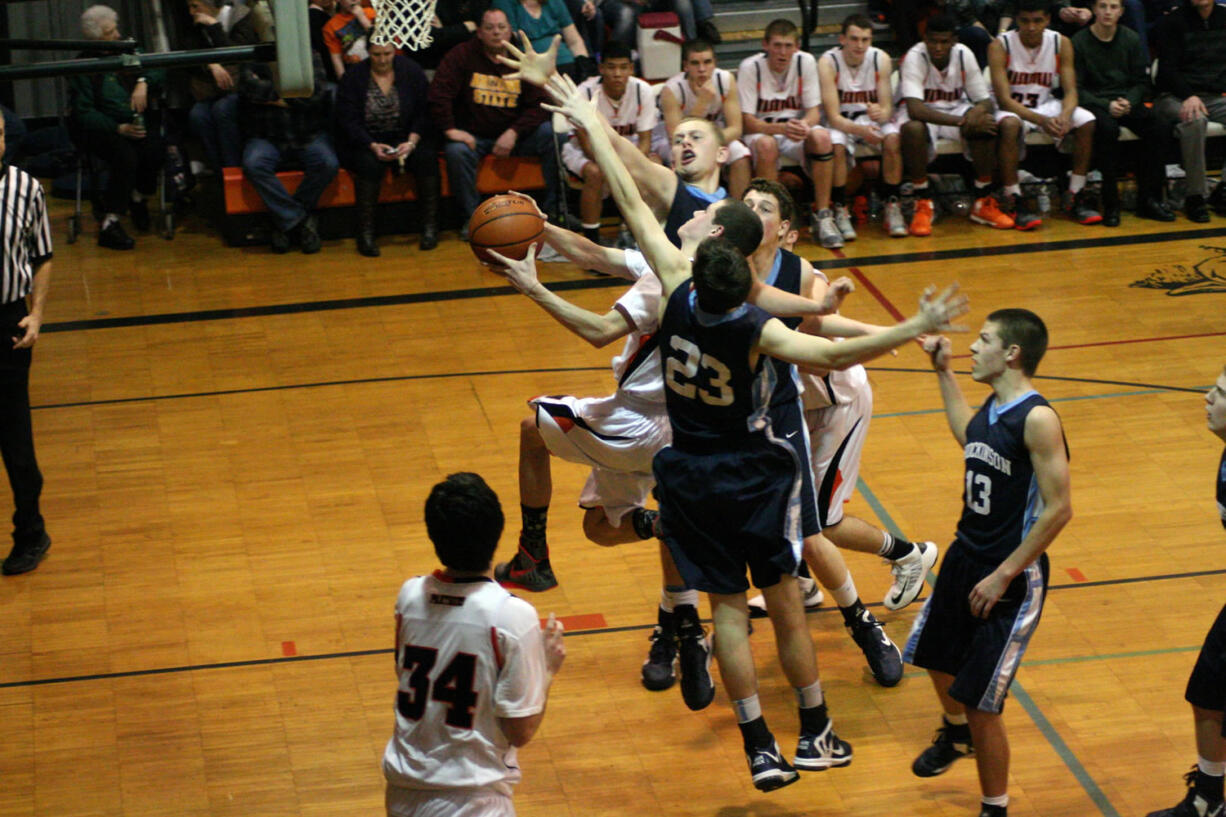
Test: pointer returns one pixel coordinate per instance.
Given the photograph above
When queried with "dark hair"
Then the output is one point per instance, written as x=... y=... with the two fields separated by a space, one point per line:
x=787 y=207
x=1026 y=329
x=464 y=521
x=721 y=274
x=857 y=20
x=781 y=27
x=942 y=24
x=1034 y=5
x=492 y=10
x=694 y=46
x=742 y=226
x=616 y=50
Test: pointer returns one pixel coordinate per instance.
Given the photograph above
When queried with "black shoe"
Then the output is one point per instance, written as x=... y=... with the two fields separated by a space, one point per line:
x=1155 y=208
x=139 y=210
x=883 y=658
x=1111 y=217
x=950 y=743
x=659 y=671
x=367 y=245
x=308 y=235
x=697 y=688
x=1193 y=805
x=526 y=573
x=1195 y=209
x=429 y=236
x=24 y=559
x=1025 y=216
x=278 y=241
x=768 y=768
x=1217 y=199
x=115 y=238
x=707 y=31
x=1081 y=207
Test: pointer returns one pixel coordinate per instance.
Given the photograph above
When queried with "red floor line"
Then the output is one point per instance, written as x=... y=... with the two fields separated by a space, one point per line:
x=871 y=287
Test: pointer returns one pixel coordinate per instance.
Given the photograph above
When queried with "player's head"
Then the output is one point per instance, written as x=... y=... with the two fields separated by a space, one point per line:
x=939 y=38
x=698 y=149
x=1216 y=405
x=1010 y=339
x=697 y=60
x=494 y=31
x=1033 y=17
x=774 y=206
x=1108 y=12
x=729 y=219
x=780 y=42
x=616 y=68
x=464 y=521
x=721 y=275
x=856 y=36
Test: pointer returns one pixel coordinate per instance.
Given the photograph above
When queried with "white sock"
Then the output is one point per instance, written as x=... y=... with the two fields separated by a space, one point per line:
x=845 y=594
x=810 y=696
x=1013 y=190
x=669 y=598
x=108 y=220
x=1211 y=767
x=595 y=226
x=920 y=188
x=1001 y=801
x=887 y=542
x=955 y=720
x=1076 y=183
x=747 y=709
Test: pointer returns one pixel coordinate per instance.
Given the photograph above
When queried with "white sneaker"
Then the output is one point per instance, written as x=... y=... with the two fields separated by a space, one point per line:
x=548 y=255
x=842 y=220
x=909 y=573
x=895 y=224
x=824 y=231
x=811 y=594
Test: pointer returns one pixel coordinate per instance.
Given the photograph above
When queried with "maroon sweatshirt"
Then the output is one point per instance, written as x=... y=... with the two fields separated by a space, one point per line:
x=469 y=92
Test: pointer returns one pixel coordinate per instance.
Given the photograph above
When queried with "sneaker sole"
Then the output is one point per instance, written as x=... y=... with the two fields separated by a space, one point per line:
x=991 y=224
x=775 y=780
x=1090 y=221
x=531 y=588
x=934 y=772
x=1028 y=227
x=822 y=765
x=659 y=686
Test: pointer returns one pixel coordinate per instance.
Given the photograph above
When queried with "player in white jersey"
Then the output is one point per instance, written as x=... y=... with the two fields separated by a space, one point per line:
x=1026 y=65
x=781 y=107
x=704 y=91
x=857 y=97
x=944 y=96
x=474 y=668
x=629 y=105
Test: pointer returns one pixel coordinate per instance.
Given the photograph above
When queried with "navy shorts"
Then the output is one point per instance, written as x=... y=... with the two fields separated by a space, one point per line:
x=1207 y=683
x=983 y=655
x=788 y=425
x=727 y=511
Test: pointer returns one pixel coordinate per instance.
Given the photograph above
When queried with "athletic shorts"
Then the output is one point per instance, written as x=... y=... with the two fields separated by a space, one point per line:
x=788 y=425
x=725 y=511
x=1051 y=107
x=837 y=435
x=662 y=146
x=983 y=655
x=446 y=803
x=938 y=132
x=789 y=149
x=1207 y=683
x=615 y=436
x=852 y=142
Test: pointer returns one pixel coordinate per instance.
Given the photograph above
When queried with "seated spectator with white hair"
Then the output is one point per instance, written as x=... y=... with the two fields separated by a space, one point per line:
x=111 y=119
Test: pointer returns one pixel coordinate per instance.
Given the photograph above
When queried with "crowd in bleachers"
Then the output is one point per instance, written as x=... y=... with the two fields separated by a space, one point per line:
x=959 y=88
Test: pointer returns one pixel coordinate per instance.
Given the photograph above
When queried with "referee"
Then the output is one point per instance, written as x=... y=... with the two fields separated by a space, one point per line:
x=25 y=271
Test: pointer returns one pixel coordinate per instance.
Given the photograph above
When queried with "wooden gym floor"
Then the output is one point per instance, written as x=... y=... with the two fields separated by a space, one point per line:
x=237 y=447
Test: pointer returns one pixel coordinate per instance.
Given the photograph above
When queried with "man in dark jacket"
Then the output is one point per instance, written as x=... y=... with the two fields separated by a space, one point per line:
x=214 y=116
x=1191 y=81
x=480 y=112
x=278 y=129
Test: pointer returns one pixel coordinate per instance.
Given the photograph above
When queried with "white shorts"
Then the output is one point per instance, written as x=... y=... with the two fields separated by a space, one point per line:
x=618 y=438
x=573 y=159
x=1051 y=107
x=446 y=803
x=789 y=149
x=936 y=132
x=837 y=433
x=663 y=147
x=851 y=142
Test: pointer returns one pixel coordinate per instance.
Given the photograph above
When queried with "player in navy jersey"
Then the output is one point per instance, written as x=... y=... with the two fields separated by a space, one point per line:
x=728 y=487
x=1206 y=690
x=985 y=606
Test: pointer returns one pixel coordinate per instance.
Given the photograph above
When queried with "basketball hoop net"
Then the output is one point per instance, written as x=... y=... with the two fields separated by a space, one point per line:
x=403 y=23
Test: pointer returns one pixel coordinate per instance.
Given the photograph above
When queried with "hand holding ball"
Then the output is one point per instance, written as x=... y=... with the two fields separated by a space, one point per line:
x=508 y=224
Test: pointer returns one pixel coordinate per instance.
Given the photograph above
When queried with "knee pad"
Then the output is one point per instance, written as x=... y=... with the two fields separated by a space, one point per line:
x=820 y=157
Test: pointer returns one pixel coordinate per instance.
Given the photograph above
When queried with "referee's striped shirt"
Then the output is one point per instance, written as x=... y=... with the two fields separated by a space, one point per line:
x=25 y=232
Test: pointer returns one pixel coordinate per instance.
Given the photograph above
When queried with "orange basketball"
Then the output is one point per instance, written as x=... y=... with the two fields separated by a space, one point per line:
x=507 y=224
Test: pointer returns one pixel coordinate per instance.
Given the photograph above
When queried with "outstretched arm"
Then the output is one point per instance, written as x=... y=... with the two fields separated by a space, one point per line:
x=957 y=410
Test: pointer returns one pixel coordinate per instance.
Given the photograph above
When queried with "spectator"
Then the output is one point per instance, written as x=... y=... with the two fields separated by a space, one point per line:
x=381 y=111
x=110 y=117
x=214 y=116
x=1191 y=83
x=346 y=34
x=1111 y=84
x=318 y=15
x=697 y=18
x=277 y=129
x=480 y=112
x=589 y=21
x=453 y=23
x=1071 y=16
x=541 y=20
x=968 y=17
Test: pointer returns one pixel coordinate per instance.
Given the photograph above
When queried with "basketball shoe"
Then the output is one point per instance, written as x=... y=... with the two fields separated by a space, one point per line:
x=987 y=211
x=1025 y=217
x=842 y=220
x=811 y=593
x=526 y=573
x=824 y=231
x=1081 y=207
x=1193 y=805
x=895 y=224
x=826 y=750
x=768 y=768
x=884 y=660
x=659 y=670
x=697 y=688
x=921 y=220
x=950 y=743
x=909 y=573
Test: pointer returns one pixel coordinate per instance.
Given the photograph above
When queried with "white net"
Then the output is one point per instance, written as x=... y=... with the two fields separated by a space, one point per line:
x=403 y=23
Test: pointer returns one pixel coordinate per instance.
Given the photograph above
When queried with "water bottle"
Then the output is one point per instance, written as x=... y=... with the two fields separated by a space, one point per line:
x=1043 y=199
x=138 y=121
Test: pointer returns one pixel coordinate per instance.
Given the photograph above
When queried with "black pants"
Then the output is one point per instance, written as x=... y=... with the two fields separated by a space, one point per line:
x=134 y=163
x=16 y=431
x=1151 y=172
x=422 y=162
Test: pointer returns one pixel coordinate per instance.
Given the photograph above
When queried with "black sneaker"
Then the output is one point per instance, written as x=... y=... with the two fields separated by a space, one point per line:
x=1025 y=216
x=697 y=688
x=1155 y=208
x=950 y=743
x=308 y=235
x=816 y=753
x=883 y=657
x=278 y=241
x=770 y=771
x=526 y=573
x=139 y=211
x=1195 y=209
x=659 y=670
x=1193 y=805
x=1082 y=207
x=24 y=559
x=114 y=237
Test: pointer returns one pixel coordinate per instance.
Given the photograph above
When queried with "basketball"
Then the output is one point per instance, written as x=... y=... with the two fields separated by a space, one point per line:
x=507 y=224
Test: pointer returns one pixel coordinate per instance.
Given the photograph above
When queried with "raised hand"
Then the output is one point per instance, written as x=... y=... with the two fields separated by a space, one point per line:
x=530 y=66
x=571 y=103
x=938 y=310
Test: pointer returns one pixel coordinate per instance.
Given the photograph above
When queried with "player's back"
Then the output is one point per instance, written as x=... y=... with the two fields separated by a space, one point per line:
x=467 y=653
